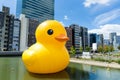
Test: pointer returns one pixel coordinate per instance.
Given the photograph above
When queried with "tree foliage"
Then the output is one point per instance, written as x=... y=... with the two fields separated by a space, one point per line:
x=72 y=50
x=108 y=48
x=100 y=48
x=119 y=47
x=87 y=49
x=111 y=48
x=81 y=49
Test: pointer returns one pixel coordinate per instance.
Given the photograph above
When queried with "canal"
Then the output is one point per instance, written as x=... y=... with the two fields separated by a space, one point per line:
x=12 y=68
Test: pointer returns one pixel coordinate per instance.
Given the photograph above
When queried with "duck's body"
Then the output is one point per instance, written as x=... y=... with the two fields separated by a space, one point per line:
x=48 y=54
x=48 y=60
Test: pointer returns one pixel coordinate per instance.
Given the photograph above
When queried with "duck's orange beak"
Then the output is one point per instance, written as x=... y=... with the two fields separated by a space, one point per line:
x=62 y=37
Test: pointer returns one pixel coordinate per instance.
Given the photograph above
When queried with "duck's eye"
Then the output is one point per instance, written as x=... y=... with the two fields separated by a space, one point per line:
x=50 y=31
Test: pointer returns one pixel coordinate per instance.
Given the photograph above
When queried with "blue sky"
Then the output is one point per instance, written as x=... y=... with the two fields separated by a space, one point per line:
x=99 y=16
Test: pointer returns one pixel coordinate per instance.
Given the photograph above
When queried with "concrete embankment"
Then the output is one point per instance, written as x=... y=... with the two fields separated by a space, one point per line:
x=96 y=63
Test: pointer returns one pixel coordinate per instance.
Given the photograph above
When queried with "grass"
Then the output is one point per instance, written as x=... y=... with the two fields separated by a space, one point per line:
x=100 y=58
x=117 y=54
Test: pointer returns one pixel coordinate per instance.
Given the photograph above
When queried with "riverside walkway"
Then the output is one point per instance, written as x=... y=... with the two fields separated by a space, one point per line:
x=96 y=63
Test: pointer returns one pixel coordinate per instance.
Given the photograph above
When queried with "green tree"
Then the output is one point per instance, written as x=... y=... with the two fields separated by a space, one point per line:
x=72 y=50
x=100 y=49
x=87 y=49
x=111 y=48
x=106 y=48
x=81 y=49
x=119 y=47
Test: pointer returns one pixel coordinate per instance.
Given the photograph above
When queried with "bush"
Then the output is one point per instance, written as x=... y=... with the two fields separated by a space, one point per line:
x=99 y=59
x=118 y=61
x=102 y=60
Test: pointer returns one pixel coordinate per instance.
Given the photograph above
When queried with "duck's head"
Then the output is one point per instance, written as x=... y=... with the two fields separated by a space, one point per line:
x=51 y=32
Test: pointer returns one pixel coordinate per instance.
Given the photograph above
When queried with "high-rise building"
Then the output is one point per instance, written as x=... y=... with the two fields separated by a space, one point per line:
x=10 y=32
x=36 y=9
x=16 y=35
x=76 y=36
x=31 y=30
x=118 y=39
x=111 y=36
x=80 y=36
x=24 y=32
x=69 y=34
x=92 y=38
x=33 y=11
x=1 y=27
x=84 y=37
x=106 y=42
x=99 y=40
x=7 y=30
x=4 y=21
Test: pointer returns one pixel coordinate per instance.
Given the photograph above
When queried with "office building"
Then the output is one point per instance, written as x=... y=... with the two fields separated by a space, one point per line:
x=1 y=27
x=31 y=30
x=92 y=38
x=69 y=34
x=36 y=11
x=76 y=36
x=99 y=40
x=24 y=32
x=116 y=42
x=10 y=32
x=7 y=30
x=4 y=26
x=16 y=35
x=84 y=37
x=80 y=36
x=118 y=39
x=111 y=37
x=106 y=42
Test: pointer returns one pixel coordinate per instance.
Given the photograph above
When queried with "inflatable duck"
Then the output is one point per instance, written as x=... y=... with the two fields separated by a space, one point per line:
x=48 y=54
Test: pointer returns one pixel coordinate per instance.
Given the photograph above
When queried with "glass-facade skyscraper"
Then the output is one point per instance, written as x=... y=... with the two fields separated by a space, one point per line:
x=80 y=36
x=99 y=40
x=92 y=38
x=36 y=9
x=84 y=36
x=31 y=14
x=75 y=36
x=111 y=35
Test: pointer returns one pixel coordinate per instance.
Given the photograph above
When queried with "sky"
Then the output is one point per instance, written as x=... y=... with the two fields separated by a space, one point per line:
x=99 y=16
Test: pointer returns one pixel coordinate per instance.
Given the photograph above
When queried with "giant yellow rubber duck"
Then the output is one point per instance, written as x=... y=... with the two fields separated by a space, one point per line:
x=48 y=54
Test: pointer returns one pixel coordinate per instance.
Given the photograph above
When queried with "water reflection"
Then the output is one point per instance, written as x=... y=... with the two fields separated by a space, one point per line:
x=87 y=72
x=63 y=75
x=76 y=72
x=13 y=69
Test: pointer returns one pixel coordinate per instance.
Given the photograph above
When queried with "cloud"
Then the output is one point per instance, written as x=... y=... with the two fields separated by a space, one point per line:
x=66 y=17
x=106 y=29
x=106 y=17
x=88 y=3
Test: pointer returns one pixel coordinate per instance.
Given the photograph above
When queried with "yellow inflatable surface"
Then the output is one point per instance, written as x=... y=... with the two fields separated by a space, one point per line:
x=48 y=54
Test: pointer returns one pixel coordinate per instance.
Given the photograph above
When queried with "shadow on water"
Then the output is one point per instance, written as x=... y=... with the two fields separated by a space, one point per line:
x=63 y=75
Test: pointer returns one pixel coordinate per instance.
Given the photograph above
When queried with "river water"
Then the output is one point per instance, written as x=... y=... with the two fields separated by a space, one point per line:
x=12 y=68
